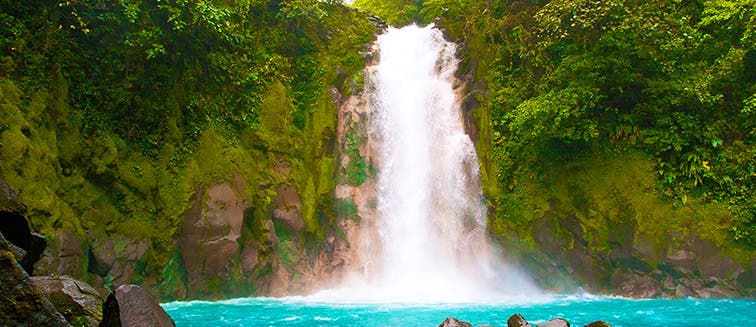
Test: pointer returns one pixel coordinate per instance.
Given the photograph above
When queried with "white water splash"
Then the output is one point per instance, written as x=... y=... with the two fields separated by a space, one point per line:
x=432 y=241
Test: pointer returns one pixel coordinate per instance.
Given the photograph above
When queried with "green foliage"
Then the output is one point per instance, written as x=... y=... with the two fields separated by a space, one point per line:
x=347 y=209
x=357 y=170
x=571 y=79
x=114 y=113
x=395 y=12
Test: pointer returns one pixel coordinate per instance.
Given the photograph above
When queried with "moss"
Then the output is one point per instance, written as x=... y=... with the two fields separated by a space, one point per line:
x=345 y=208
x=611 y=197
x=173 y=281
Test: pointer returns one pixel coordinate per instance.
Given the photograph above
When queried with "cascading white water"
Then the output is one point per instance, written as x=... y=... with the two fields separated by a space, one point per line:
x=431 y=216
x=428 y=196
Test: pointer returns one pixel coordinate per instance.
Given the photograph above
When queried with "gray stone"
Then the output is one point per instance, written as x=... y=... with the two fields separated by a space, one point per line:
x=138 y=309
x=516 y=320
x=682 y=261
x=633 y=284
x=453 y=322
x=63 y=257
x=599 y=323
x=77 y=301
x=211 y=234
x=288 y=209
x=556 y=322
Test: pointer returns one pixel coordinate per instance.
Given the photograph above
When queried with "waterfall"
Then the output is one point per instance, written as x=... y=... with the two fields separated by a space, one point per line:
x=428 y=197
x=431 y=244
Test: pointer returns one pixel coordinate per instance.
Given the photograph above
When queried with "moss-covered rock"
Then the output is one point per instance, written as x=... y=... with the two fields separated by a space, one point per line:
x=79 y=303
x=23 y=304
x=598 y=224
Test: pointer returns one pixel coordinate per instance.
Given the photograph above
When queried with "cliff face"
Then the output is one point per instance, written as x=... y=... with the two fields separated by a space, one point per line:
x=200 y=164
x=249 y=221
x=600 y=226
x=600 y=222
x=243 y=168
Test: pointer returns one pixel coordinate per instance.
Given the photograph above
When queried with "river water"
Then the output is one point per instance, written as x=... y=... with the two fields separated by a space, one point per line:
x=578 y=310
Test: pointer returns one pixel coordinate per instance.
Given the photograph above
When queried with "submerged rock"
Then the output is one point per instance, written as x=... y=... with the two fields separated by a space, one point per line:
x=77 y=301
x=137 y=308
x=22 y=303
x=557 y=322
x=516 y=320
x=599 y=323
x=453 y=322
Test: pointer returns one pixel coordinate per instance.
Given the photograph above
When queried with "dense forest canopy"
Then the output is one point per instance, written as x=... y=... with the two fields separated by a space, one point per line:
x=568 y=79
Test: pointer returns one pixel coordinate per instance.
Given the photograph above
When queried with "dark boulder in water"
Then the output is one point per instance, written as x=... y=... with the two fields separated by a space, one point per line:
x=599 y=323
x=453 y=322
x=137 y=308
x=557 y=322
x=516 y=320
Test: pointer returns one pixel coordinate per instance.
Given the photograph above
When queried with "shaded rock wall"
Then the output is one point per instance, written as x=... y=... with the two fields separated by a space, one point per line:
x=600 y=227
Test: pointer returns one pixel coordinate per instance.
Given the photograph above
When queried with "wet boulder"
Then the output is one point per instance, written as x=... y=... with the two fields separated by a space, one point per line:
x=136 y=308
x=453 y=322
x=516 y=320
x=79 y=303
x=599 y=323
x=557 y=322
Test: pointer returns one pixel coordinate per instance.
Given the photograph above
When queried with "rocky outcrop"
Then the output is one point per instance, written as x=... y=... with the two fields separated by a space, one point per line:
x=119 y=265
x=620 y=257
x=22 y=304
x=211 y=235
x=599 y=323
x=288 y=208
x=79 y=303
x=64 y=255
x=137 y=308
x=453 y=322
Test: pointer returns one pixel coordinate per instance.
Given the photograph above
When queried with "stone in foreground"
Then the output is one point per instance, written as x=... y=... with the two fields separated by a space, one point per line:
x=516 y=320
x=138 y=309
x=453 y=322
x=77 y=301
x=599 y=323
x=22 y=304
x=557 y=322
